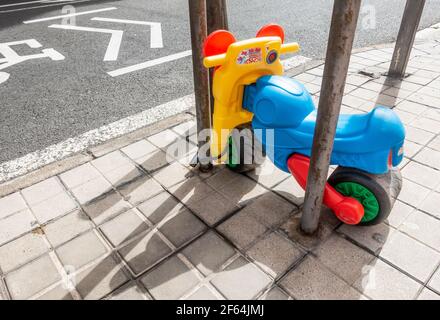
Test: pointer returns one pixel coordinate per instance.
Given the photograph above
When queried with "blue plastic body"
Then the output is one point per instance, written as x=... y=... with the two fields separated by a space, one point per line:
x=284 y=122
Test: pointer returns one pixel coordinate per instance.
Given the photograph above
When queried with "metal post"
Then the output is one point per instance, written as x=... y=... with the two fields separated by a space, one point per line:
x=217 y=18
x=405 y=39
x=197 y=17
x=340 y=42
x=217 y=15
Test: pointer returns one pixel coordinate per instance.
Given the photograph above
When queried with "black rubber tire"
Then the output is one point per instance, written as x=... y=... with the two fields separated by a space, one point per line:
x=250 y=149
x=385 y=187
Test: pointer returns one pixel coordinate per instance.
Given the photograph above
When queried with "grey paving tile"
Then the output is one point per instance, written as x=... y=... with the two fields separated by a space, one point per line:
x=182 y=227
x=110 y=161
x=275 y=293
x=411 y=148
x=356 y=80
x=382 y=282
x=16 y=225
x=421 y=174
x=292 y=230
x=212 y=208
x=123 y=227
x=310 y=280
x=53 y=207
x=159 y=207
x=209 y=253
x=410 y=255
x=79 y=175
x=129 y=291
x=139 y=149
x=143 y=253
x=67 y=228
x=57 y=293
x=430 y=157
x=81 y=250
x=21 y=251
x=91 y=190
x=186 y=128
x=275 y=254
x=154 y=160
x=103 y=208
x=123 y=174
x=191 y=190
x=432 y=113
x=163 y=138
x=405 y=117
x=426 y=124
x=412 y=107
x=241 y=280
x=11 y=204
x=398 y=214
x=290 y=190
x=434 y=282
x=3 y=292
x=170 y=280
x=203 y=293
x=412 y=193
x=431 y=204
x=181 y=149
x=42 y=190
x=344 y=258
x=32 y=278
x=222 y=178
x=435 y=144
x=371 y=237
x=424 y=228
x=140 y=190
x=418 y=135
x=242 y=229
x=172 y=174
x=427 y=294
x=100 y=279
x=242 y=191
x=425 y=99
x=364 y=93
x=270 y=209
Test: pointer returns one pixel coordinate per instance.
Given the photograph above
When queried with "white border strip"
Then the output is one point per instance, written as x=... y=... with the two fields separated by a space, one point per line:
x=150 y=63
x=40 y=158
x=69 y=15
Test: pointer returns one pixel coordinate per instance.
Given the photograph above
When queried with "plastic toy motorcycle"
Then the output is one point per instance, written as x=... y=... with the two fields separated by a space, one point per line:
x=250 y=92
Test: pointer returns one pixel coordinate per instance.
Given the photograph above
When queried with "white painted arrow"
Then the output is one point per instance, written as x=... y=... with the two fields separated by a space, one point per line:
x=113 y=46
x=156 y=29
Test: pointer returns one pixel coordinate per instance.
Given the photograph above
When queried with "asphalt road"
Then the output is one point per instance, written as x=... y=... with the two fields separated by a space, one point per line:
x=45 y=102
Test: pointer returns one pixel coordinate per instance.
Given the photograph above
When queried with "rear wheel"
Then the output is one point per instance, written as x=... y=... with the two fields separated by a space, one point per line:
x=244 y=150
x=376 y=193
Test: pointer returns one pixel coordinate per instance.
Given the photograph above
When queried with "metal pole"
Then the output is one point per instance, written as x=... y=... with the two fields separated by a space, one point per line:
x=217 y=18
x=405 y=39
x=340 y=42
x=197 y=18
x=217 y=15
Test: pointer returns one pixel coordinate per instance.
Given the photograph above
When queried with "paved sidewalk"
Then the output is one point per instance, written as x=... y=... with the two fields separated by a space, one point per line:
x=131 y=224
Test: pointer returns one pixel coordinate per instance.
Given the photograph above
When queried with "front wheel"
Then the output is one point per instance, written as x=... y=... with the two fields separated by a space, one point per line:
x=376 y=193
x=245 y=152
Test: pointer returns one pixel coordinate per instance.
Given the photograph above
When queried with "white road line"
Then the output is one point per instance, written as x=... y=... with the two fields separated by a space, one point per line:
x=113 y=46
x=150 y=63
x=69 y=15
x=156 y=29
x=40 y=158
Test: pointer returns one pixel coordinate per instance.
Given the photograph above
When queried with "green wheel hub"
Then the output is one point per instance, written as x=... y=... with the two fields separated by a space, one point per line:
x=233 y=160
x=363 y=195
